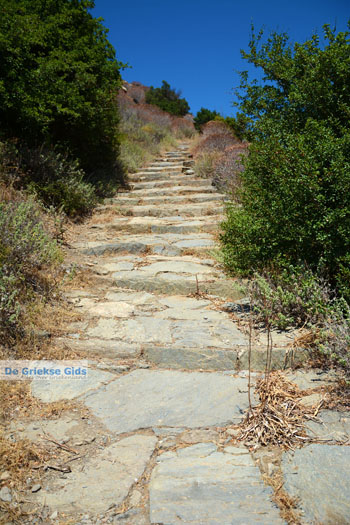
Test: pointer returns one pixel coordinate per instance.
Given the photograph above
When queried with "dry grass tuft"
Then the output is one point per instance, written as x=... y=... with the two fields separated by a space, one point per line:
x=278 y=419
x=285 y=503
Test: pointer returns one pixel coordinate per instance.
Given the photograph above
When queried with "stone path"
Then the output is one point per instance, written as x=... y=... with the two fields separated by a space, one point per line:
x=168 y=378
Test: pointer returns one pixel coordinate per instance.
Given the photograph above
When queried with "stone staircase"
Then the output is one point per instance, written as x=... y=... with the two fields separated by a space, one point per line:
x=167 y=381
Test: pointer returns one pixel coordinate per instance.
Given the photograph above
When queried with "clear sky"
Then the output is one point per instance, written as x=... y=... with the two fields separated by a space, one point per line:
x=195 y=44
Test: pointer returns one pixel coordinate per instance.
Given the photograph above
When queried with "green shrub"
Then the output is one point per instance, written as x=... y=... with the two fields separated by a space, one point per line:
x=24 y=248
x=53 y=178
x=58 y=79
x=203 y=116
x=297 y=297
x=167 y=99
x=294 y=296
x=57 y=181
x=294 y=204
x=25 y=245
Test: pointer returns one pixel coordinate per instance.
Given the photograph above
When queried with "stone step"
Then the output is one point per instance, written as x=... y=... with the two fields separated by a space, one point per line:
x=171 y=283
x=142 y=176
x=175 y=167
x=175 y=199
x=164 y=183
x=166 y=244
x=174 y=190
x=165 y=163
x=164 y=225
x=184 y=210
x=205 y=357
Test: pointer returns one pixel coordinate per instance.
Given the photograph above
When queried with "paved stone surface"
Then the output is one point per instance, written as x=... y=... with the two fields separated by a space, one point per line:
x=105 y=480
x=166 y=356
x=56 y=390
x=200 y=485
x=318 y=475
x=331 y=426
x=157 y=398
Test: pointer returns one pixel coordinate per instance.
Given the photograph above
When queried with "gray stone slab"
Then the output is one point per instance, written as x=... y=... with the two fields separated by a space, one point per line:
x=102 y=348
x=191 y=358
x=206 y=333
x=49 y=391
x=195 y=243
x=331 y=426
x=280 y=358
x=319 y=476
x=135 y=330
x=103 y=248
x=105 y=480
x=306 y=379
x=157 y=398
x=182 y=285
x=200 y=485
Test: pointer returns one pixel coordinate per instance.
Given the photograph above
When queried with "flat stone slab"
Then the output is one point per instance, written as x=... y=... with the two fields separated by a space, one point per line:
x=97 y=248
x=319 y=476
x=332 y=426
x=105 y=480
x=176 y=224
x=197 y=333
x=102 y=347
x=162 y=398
x=200 y=485
x=191 y=358
x=186 y=210
x=305 y=379
x=49 y=391
x=171 y=283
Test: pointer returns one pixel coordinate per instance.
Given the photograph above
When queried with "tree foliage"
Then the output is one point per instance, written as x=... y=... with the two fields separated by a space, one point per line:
x=58 y=77
x=167 y=99
x=295 y=196
x=203 y=116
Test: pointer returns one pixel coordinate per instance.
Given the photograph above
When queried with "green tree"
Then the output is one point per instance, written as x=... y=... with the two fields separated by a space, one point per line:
x=203 y=116
x=295 y=196
x=167 y=99
x=58 y=78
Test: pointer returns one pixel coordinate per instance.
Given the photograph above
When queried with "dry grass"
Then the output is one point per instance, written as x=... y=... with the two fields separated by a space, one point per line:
x=285 y=503
x=278 y=419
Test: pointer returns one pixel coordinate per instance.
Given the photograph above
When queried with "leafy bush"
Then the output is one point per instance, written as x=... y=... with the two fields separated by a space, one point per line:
x=56 y=180
x=295 y=204
x=295 y=198
x=167 y=99
x=203 y=116
x=25 y=245
x=299 y=297
x=292 y=297
x=58 y=77
x=24 y=248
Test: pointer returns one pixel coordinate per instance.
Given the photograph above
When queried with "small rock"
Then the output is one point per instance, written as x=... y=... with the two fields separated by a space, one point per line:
x=5 y=475
x=54 y=515
x=36 y=488
x=312 y=399
x=5 y=494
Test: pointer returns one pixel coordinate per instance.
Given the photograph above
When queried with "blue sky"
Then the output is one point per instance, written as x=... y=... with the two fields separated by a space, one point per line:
x=195 y=44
